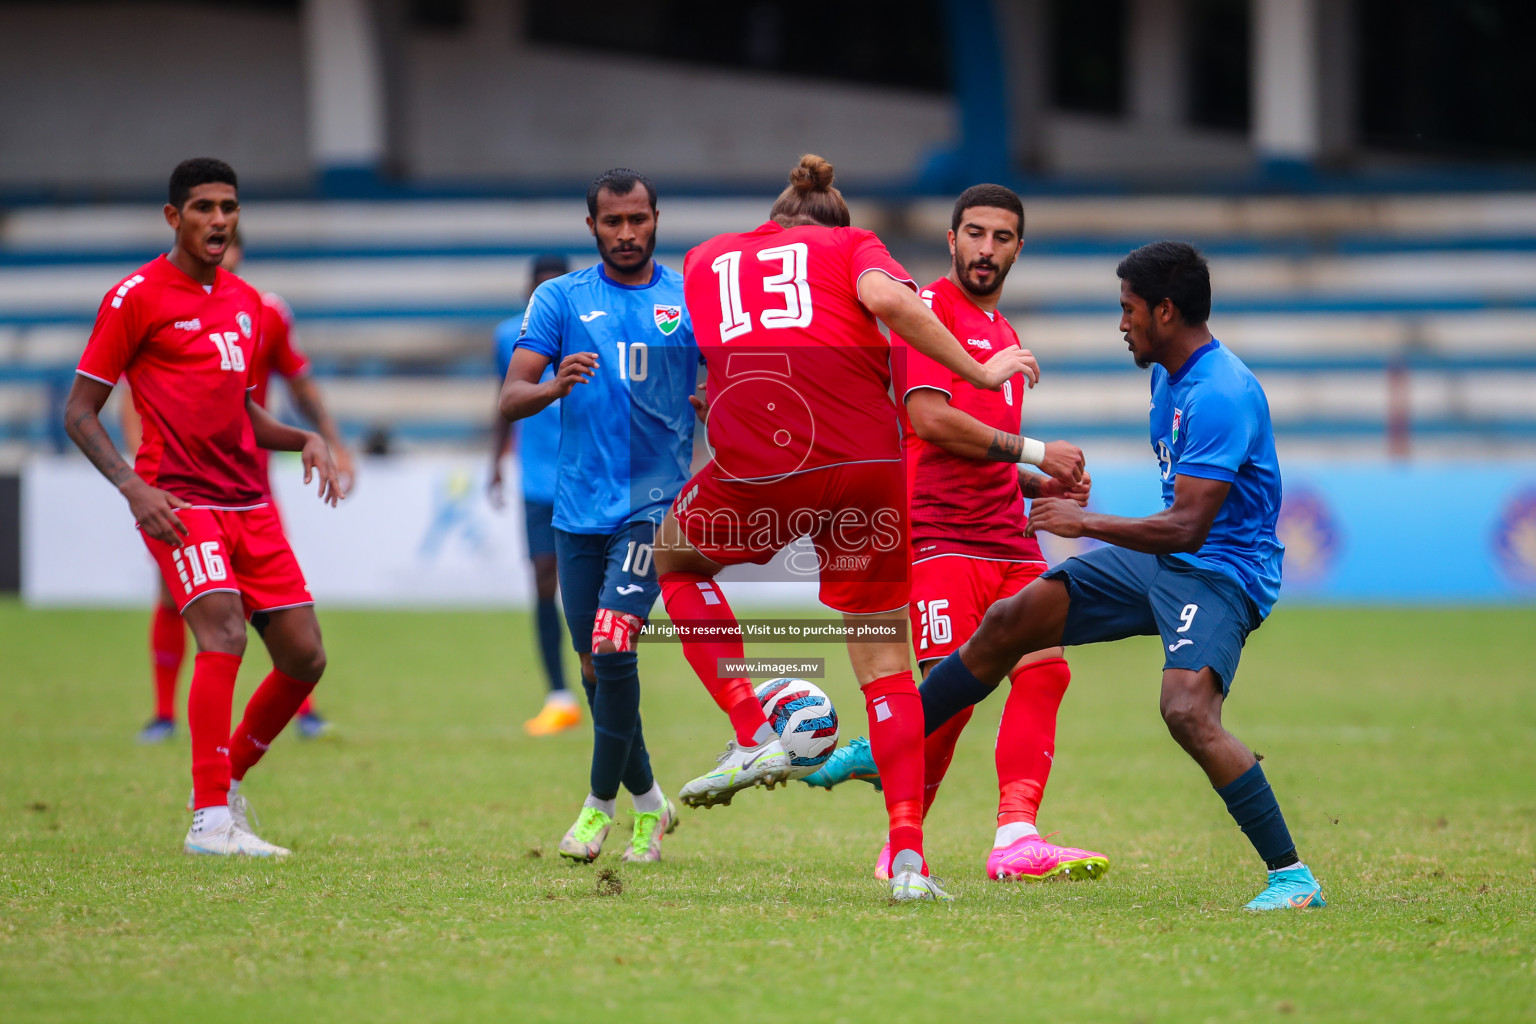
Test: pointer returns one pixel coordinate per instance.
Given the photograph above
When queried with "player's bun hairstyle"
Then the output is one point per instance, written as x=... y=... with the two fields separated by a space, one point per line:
x=996 y=196
x=1170 y=270
x=810 y=197
x=621 y=181
x=200 y=170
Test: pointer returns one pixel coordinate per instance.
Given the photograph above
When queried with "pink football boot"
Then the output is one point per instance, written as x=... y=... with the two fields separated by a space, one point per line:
x=883 y=863
x=1032 y=859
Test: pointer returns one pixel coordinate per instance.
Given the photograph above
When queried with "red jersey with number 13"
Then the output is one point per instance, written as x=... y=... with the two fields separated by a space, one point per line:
x=960 y=505
x=187 y=354
x=799 y=373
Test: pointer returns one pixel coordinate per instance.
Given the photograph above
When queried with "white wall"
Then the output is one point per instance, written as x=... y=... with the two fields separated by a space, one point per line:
x=99 y=93
x=117 y=94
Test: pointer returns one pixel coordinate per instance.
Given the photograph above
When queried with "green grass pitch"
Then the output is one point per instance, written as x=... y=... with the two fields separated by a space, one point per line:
x=425 y=887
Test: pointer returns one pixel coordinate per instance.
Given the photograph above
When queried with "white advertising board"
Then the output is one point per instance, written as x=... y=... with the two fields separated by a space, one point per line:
x=415 y=532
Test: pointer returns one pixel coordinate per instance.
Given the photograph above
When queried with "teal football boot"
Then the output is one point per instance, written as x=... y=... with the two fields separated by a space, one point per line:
x=1289 y=889
x=848 y=762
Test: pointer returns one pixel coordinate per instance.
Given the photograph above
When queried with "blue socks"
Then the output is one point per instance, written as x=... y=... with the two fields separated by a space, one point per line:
x=949 y=689
x=1253 y=806
x=618 y=748
x=548 y=620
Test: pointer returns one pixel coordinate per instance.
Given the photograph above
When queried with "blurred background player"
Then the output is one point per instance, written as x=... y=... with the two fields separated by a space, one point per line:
x=808 y=440
x=279 y=353
x=538 y=448
x=627 y=367
x=185 y=332
x=968 y=544
x=1201 y=574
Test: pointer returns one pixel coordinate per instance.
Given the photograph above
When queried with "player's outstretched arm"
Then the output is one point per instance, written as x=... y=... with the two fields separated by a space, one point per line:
x=523 y=394
x=308 y=400
x=152 y=508
x=1182 y=527
x=938 y=422
x=899 y=308
x=275 y=435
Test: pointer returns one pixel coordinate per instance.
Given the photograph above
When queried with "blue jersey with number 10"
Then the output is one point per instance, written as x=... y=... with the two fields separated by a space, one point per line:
x=626 y=435
x=1211 y=420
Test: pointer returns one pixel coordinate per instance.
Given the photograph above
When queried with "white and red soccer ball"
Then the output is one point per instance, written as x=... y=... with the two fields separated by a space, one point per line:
x=805 y=720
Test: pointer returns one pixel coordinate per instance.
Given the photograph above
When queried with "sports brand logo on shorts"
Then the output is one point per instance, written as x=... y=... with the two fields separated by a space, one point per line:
x=668 y=317
x=243 y=321
x=1178 y=417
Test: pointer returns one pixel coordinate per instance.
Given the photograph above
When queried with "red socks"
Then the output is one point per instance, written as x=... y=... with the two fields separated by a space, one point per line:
x=938 y=751
x=1026 y=739
x=308 y=707
x=167 y=648
x=275 y=701
x=896 y=741
x=209 y=700
x=693 y=598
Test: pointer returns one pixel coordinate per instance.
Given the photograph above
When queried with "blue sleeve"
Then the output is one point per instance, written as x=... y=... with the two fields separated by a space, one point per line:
x=1218 y=428
x=543 y=327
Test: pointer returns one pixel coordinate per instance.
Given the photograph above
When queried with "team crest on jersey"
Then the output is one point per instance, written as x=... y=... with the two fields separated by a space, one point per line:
x=668 y=317
x=1178 y=418
x=243 y=321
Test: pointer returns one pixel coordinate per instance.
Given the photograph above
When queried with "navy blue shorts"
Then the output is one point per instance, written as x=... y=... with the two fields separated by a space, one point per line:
x=538 y=524
x=612 y=571
x=1202 y=615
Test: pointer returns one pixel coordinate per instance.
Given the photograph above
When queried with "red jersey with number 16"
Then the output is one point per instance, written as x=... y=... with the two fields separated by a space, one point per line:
x=960 y=505
x=799 y=372
x=187 y=354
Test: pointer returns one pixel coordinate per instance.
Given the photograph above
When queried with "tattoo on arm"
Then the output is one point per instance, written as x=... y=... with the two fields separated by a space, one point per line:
x=1005 y=447
x=91 y=437
x=1029 y=484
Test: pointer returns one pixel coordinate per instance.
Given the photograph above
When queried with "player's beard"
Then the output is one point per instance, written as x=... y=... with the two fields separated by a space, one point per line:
x=970 y=284
x=613 y=256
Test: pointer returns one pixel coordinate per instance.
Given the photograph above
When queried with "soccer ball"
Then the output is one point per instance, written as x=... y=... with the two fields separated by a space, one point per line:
x=805 y=720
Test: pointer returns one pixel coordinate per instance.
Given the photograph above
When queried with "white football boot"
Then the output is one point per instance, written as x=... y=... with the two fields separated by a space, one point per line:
x=737 y=769
x=231 y=841
x=909 y=883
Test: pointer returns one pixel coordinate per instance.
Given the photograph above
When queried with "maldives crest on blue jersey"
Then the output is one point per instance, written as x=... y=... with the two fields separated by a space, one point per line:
x=668 y=317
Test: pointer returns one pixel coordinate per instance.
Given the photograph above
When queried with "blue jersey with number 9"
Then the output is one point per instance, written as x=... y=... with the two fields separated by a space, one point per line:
x=1211 y=420
x=626 y=435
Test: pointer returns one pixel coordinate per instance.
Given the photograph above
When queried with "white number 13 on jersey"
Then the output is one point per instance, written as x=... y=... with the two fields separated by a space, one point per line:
x=789 y=284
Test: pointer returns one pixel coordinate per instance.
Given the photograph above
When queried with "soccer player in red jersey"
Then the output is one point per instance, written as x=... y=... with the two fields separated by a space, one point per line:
x=806 y=442
x=279 y=353
x=185 y=333
x=969 y=548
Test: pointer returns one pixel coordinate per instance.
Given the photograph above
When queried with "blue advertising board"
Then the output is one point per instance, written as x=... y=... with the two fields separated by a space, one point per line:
x=1379 y=532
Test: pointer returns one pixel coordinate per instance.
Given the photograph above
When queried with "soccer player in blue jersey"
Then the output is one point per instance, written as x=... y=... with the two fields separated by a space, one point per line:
x=626 y=368
x=1201 y=574
x=538 y=445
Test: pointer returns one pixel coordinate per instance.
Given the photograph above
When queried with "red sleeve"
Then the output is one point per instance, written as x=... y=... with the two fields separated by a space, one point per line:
x=116 y=336
x=866 y=252
x=923 y=371
x=288 y=359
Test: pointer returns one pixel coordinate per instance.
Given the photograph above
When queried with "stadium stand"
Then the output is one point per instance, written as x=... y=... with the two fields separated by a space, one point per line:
x=1380 y=324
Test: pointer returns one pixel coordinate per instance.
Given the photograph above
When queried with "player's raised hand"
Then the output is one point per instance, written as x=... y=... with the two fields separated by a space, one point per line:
x=1057 y=516
x=1008 y=362
x=318 y=463
x=576 y=368
x=1063 y=462
x=155 y=510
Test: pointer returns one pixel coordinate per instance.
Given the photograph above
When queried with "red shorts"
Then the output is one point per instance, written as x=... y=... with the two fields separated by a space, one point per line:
x=951 y=593
x=854 y=514
x=241 y=553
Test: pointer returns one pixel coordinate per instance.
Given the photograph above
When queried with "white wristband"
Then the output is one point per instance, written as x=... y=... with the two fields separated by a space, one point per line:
x=1034 y=451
